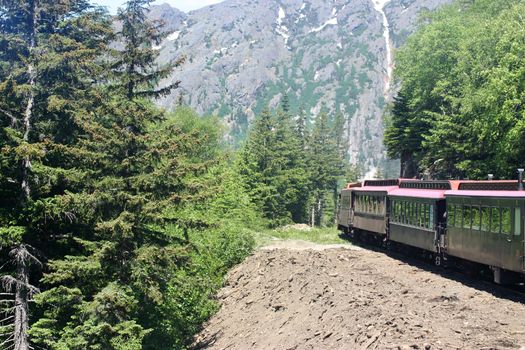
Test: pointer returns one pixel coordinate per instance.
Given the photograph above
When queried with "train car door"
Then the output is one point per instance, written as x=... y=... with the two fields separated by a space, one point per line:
x=511 y=237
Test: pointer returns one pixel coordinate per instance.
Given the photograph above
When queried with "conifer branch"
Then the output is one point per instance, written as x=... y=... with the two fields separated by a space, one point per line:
x=14 y=120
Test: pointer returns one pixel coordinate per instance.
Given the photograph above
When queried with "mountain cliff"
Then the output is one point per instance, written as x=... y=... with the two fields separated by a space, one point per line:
x=242 y=55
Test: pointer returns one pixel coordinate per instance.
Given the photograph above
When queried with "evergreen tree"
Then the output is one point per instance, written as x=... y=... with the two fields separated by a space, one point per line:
x=301 y=129
x=285 y=103
x=114 y=273
x=325 y=166
x=135 y=68
x=46 y=70
x=273 y=166
x=403 y=136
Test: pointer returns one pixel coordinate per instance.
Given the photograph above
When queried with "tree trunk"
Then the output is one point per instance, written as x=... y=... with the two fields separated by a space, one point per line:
x=28 y=114
x=408 y=166
x=21 y=322
x=319 y=211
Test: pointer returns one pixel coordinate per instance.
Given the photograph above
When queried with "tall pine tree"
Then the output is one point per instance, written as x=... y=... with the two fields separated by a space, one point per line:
x=46 y=69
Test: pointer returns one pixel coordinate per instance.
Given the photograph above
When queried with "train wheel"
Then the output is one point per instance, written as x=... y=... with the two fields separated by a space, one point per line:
x=437 y=260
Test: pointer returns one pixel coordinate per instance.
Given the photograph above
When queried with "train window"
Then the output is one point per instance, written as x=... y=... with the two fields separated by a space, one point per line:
x=459 y=216
x=517 y=221
x=427 y=215
x=495 y=220
x=398 y=211
x=505 y=221
x=422 y=215
x=451 y=215
x=423 y=219
x=485 y=219
x=476 y=225
x=431 y=216
x=466 y=216
x=415 y=222
x=413 y=214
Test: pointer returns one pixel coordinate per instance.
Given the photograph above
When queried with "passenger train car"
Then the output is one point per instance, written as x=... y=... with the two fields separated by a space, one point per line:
x=476 y=222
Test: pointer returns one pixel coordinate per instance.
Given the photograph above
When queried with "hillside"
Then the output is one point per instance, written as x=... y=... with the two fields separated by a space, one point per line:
x=243 y=54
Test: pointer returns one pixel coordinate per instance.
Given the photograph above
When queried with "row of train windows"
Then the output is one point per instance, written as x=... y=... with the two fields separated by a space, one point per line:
x=413 y=214
x=370 y=204
x=489 y=219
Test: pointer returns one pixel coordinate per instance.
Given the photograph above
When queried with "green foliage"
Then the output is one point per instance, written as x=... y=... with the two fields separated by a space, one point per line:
x=134 y=66
x=291 y=173
x=460 y=112
x=273 y=168
x=138 y=212
x=325 y=235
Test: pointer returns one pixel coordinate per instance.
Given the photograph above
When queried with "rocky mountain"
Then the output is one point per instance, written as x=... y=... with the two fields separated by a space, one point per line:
x=243 y=55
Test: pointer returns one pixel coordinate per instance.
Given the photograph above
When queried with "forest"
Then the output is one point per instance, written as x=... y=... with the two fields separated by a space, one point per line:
x=459 y=112
x=119 y=219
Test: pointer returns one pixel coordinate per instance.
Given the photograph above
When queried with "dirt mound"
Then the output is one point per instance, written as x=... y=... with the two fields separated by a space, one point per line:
x=355 y=299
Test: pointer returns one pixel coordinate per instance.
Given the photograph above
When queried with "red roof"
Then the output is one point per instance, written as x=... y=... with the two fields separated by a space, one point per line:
x=365 y=189
x=499 y=194
x=418 y=193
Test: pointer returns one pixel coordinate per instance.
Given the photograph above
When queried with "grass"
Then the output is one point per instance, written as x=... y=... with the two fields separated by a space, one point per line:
x=317 y=235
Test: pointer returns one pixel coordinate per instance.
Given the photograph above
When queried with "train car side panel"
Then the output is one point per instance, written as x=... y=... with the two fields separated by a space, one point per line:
x=368 y=222
x=413 y=236
x=486 y=230
x=344 y=212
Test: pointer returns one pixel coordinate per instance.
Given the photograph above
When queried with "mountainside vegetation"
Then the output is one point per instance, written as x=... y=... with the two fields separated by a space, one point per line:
x=119 y=219
x=321 y=54
x=292 y=172
x=460 y=112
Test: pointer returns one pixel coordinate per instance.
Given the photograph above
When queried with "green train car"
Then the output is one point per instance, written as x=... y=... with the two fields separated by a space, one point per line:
x=486 y=227
x=479 y=222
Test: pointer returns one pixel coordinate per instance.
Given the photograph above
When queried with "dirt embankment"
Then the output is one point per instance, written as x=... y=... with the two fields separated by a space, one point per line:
x=355 y=298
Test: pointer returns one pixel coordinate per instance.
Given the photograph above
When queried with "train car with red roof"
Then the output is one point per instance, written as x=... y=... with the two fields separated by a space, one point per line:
x=478 y=222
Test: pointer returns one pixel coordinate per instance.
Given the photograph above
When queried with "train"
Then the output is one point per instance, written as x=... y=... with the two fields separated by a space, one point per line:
x=479 y=224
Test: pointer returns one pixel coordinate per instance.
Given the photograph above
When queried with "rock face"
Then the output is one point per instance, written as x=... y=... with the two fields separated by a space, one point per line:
x=243 y=55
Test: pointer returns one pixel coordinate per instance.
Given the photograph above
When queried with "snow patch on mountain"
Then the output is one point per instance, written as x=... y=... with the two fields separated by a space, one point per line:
x=331 y=21
x=379 y=6
x=281 y=29
x=173 y=36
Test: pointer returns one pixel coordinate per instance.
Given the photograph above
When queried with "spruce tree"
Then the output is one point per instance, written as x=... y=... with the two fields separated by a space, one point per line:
x=41 y=41
x=135 y=68
x=325 y=167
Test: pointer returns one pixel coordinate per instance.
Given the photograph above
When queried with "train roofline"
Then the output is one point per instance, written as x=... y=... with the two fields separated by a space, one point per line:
x=488 y=193
x=417 y=193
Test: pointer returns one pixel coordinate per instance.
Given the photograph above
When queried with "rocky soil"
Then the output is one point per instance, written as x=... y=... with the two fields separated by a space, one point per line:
x=345 y=297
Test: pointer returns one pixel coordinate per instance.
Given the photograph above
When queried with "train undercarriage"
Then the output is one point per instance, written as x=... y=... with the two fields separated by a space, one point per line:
x=439 y=259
